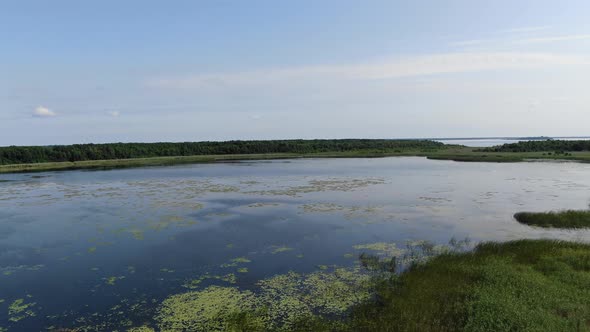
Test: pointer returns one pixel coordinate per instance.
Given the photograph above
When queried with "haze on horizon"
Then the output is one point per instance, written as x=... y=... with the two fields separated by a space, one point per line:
x=145 y=71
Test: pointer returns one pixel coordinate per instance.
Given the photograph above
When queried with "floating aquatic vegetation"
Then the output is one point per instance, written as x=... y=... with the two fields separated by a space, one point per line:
x=195 y=283
x=382 y=248
x=279 y=249
x=234 y=262
x=9 y=270
x=263 y=204
x=243 y=270
x=335 y=293
x=166 y=270
x=229 y=245
x=112 y=280
x=323 y=267
x=435 y=199
x=137 y=234
x=131 y=269
x=91 y=250
x=241 y=260
x=19 y=310
x=278 y=304
x=168 y=220
x=348 y=255
x=249 y=182
x=299 y=256
x=349 y=212
x=322 y=207
x=206 y=310
x=322 y=186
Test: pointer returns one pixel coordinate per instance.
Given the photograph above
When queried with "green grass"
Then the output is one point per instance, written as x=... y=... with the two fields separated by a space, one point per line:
x=555 y=219
x=525 y=285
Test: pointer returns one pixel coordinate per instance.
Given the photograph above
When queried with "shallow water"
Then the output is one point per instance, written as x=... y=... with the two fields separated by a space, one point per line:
x=81 y=248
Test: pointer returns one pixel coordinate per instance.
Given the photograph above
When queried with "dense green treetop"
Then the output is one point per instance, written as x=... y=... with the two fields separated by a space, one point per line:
x=82 y=152
x=541 y=146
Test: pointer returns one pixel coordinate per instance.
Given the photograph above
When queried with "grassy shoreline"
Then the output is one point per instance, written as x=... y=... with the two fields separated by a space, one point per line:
x=555 y=219
x=522 y=285
x=454 y=153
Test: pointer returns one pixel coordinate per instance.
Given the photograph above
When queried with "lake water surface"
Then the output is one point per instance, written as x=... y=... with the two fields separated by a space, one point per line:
x=85 y=248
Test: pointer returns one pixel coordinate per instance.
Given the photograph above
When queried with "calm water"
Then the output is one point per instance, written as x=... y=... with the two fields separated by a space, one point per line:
x=85 y=247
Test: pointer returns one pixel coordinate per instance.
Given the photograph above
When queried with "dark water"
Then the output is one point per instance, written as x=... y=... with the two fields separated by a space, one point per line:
x=86 y=247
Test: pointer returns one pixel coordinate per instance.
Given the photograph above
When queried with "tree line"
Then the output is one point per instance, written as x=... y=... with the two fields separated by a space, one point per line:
x=82 y=152
x=541 y=146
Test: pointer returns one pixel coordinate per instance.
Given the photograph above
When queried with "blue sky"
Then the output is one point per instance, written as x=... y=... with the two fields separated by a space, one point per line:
x=109 y=71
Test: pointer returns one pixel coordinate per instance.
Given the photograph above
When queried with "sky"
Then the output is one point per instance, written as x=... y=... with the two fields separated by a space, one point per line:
x=147 y=71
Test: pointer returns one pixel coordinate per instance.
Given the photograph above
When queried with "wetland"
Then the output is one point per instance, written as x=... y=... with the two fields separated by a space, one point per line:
x=210 y=246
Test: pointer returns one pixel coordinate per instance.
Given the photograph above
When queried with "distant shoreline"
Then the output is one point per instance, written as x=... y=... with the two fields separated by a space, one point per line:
x=452 y=153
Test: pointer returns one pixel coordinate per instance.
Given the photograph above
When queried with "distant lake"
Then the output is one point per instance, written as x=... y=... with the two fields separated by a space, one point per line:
x=486 y=142
x=85 y=248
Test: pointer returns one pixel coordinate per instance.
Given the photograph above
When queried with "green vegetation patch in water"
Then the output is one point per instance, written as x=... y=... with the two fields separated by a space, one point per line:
x=555 y=219
x=279 y=249
x=206 y=310
x=19 y=310
x=281 y=303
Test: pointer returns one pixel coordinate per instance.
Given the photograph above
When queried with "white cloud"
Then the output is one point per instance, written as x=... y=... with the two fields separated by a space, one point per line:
x=43 y=112
x=413 y=66
x=552 y=39
x=114 y=113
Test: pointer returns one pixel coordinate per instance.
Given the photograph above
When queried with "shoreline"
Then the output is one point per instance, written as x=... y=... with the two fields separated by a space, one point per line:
x=459 y=154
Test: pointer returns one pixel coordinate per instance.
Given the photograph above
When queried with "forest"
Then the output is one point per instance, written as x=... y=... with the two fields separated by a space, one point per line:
x=82 y=152
x=541 y=146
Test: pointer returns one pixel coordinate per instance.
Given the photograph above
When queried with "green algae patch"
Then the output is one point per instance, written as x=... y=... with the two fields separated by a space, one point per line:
x=91 y=250
x=280 y=303
x=279 y=249
x=229 y=278
x=112 y=280
x=208 y=310
x=381 y=248
x=19 y=310
x=241 y=260
x=243 y=270
x=324 y=185
x=264 y=204
x=10 y=270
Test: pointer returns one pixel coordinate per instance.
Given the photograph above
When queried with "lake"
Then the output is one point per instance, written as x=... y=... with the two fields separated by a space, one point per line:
x=103 y=249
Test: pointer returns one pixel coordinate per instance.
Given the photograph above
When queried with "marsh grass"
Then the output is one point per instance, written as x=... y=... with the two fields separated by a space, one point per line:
x=555 y=219
x=525 y=285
